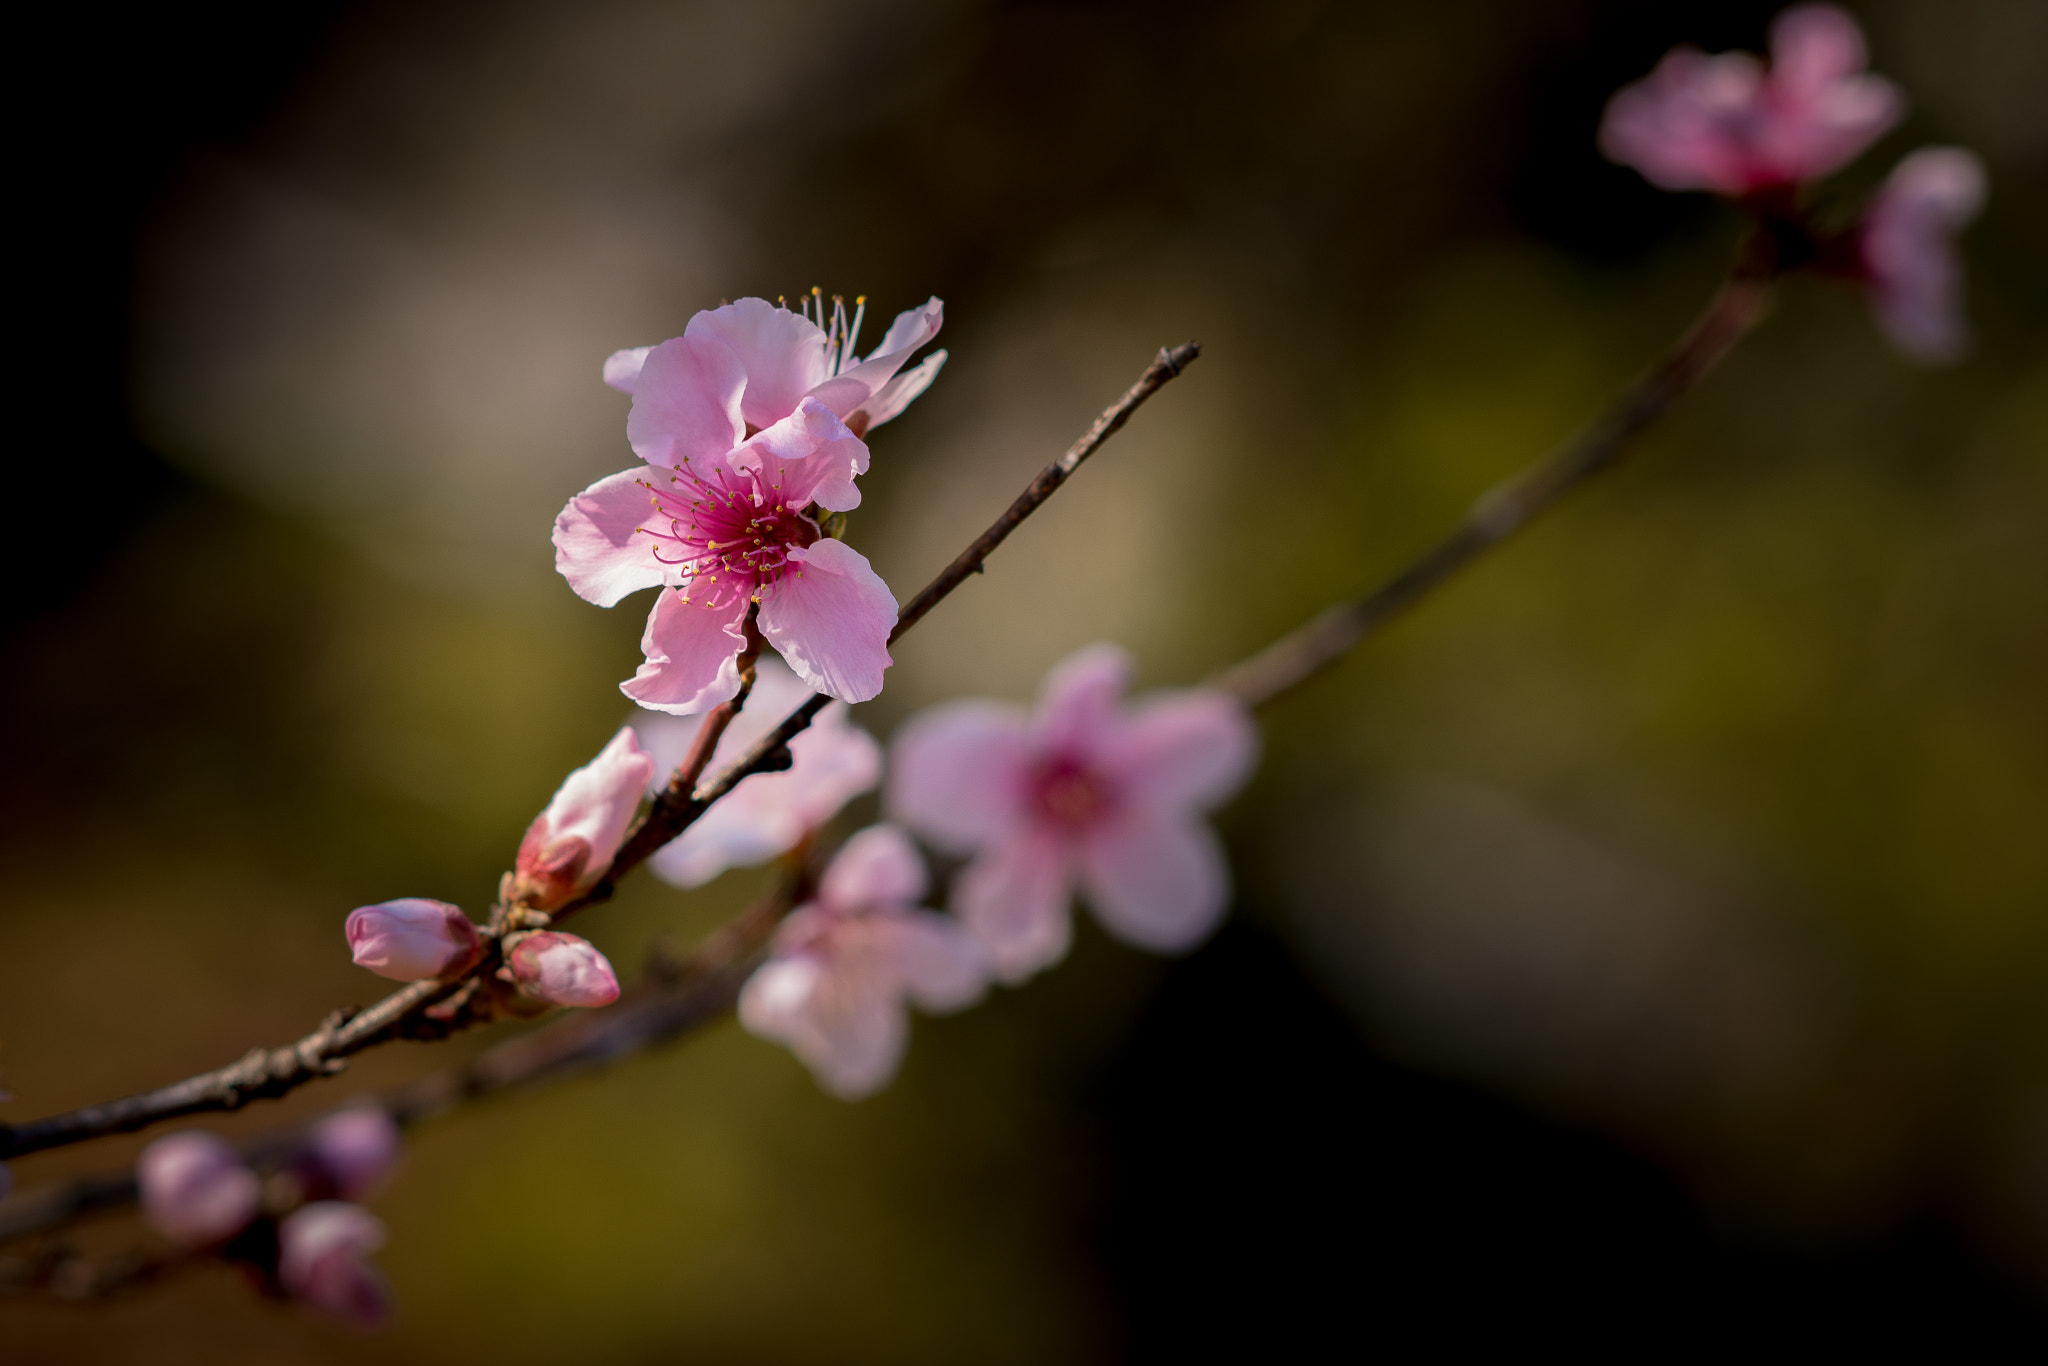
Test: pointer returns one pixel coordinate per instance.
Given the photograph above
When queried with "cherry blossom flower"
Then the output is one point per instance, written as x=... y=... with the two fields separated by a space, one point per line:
x=351 y=1152
x=1907 y=247
x=562 y=970
x=743 y=422
x=843 y=965
x=196 y=1190
x=412 y=938
x=768 y=814
x=322 y=1252
x=1728 y=124
x=1085 y=791
x=569 y=847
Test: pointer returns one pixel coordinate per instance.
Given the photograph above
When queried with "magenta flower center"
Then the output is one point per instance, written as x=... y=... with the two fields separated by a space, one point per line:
x=729 y=532
x=1067 y=792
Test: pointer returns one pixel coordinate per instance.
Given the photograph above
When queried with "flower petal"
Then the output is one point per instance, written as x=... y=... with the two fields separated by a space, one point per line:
x=1154 y=880
x=1014 y=900
x=1908 y=248
x=604 y=542
x=692 y=651
x=958 y=773
x=830 y=620
x=686 y=403
x=781 y=353
x=596 y=803
x=851 y=1036
x=1184 y=751
x=933 y=959
x=622 y=368
x=892 y=398
x=1077 y=702
x=854 y=386
x=878 y=866
x=810 y=456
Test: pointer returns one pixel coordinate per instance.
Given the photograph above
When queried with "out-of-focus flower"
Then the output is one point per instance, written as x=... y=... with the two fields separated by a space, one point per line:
x=349 y=1153
x=412 y=938
x=742 y=421
x=1085 y=791
x=562 y=970
x=790 y=356
x=834 y=990
x=833 y=761
x=1908 y=253
x=322 y=1262
x=1726 y=124
x=196 y=1190
x=570 y=846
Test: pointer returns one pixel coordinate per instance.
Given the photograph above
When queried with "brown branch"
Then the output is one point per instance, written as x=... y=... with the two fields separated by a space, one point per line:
x=269 y=1073
x=1509 y=506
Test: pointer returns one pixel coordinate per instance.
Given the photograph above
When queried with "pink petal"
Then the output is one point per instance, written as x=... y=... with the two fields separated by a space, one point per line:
x=855 y=386
x=562 y=969
x=593 y=807
x=933 y=959
x=781 y=353
x=692 y=651
x=851 y=1036
x=809 y=456
x=878 y=866
x=1813 y=46
x=958 y=774
x=892 y=398
x=321 y=1251
x=830 y=619
x=1154 y=880
x=600 y=547
x=686 y=403
x=1184 y=751
x=1909 y=255
x=1685 y=126
x=195 y=1188
x=1014 y=900
x=1078 y=701
x=622 y=368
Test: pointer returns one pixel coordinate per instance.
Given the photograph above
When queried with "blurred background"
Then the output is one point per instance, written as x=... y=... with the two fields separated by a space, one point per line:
x=1645 y=944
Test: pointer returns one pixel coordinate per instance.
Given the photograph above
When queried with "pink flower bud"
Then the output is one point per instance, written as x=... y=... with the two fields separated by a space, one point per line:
x=351 y=1152
x=571 y=844
x=562 y=970
x=1907 y=245
x=321 y=1252
x=412 y=938
x=196 y=1190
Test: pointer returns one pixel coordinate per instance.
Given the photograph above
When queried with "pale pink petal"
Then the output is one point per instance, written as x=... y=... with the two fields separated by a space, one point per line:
x=352 y=1151
x=195 y=1189
x=850 y=1035
x=622 y=368
x=321 y=1252
x=829 y=618
x=933 y=959
x=562 y=969
x=570 y=844
x=1013 y=898
x=1812 y=46
x=604 y=542
x=808 y=456
x=692 y=651
x=1078 y=700
x=878 y=866
x=959 y=774
x=1909 y=255
x=1184 y=751
x=892 y=398
x=686 y=403
x=412 y=938
x=782 y=354
x=853 y=387
x=1154 y=880
x=1686 y=125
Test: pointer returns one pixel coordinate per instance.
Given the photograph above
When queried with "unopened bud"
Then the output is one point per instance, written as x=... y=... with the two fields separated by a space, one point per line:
x=412 y=938
x=349 y=1153
x=548 y=873
x=196 y=1190
x=321 y=1262
x=571 y=844
x=562 y=970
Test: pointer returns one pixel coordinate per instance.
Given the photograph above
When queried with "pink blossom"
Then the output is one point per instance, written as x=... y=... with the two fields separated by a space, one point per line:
x=1727 y=124
x=743 y=422
x=1085 y=791
x=562 y=970
x=834 y=989
x=322 y=1252
x=1907 y=245
x=412 y=938
x=196 y=1190
x=769 y=813
x=351 y=1152
x=570 y=846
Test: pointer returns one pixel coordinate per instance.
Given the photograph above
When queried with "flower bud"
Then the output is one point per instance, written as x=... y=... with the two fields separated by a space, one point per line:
x=570 y=845
x=349 y=1153
x=412 y=938
x=321 y=1252
x=562 y=970
x=196 y=1190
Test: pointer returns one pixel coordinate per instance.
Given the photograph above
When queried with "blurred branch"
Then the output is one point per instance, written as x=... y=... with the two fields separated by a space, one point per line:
x=1509 y=506
x=265 y=1074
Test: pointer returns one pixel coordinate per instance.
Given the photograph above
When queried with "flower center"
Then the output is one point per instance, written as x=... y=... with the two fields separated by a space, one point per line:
x=728 y=533
x=1067 y=792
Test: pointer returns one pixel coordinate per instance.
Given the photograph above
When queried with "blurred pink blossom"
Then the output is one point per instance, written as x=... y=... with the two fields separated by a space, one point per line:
x=196 y=1190
x=742 y=421
x=562 y=970
x=322 y=1252
x=769 y=813
x=1086 y=790
x=1727 y=124
x=412 y=938
x=843 y=964
x=352 y=1151
x=570 y=846
x=1907 y=246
